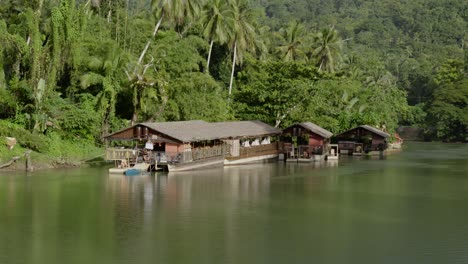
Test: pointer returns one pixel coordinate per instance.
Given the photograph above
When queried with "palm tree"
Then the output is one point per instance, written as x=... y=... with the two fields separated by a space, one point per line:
x=263 y=42
x=147 y=88
x=243 y=33
x=291 y=48
x=104 y=71
x=177 y=10
x=216 y=18
x=327 y=50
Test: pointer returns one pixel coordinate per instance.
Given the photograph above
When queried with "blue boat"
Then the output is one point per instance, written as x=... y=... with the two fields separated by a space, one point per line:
x=132 y=172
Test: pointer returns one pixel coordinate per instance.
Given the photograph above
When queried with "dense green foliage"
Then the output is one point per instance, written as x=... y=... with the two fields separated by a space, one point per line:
x=51 y=150
x=409 y=39
x=78 y=69
x=448 y=107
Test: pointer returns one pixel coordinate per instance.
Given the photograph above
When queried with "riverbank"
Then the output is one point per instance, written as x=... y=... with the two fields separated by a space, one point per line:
x=69 y=156
x=45 y=151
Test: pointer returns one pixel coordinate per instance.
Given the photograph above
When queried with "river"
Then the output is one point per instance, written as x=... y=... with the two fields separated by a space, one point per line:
x=410 y=207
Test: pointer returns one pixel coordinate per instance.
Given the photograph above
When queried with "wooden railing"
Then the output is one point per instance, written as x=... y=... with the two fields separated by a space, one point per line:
x=197 y=154
x=357 y=147
x=120 y=154
x=168 y=157
x=302 y=151
x=211 y=152
x=254 y=151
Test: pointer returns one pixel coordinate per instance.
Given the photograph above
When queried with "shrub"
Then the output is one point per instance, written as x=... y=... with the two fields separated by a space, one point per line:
x=36 y=142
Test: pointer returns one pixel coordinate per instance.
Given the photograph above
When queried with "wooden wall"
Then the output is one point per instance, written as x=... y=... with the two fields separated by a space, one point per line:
x=316 y=140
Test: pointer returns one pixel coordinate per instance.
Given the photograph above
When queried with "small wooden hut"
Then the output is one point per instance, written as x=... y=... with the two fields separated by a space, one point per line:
x=305 y=142
x=362 y=139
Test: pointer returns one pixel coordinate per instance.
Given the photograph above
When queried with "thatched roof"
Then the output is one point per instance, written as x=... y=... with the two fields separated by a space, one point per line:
x=370 y=129
x=316 y=129
x=240 y=129
x=184 y=131
x=197 y=130
x=375 y=130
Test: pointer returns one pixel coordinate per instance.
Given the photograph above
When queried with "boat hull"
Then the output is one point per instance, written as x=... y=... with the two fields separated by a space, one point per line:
x=195 y=165
x=132 y=172
x=117 y=170
x=257 y=159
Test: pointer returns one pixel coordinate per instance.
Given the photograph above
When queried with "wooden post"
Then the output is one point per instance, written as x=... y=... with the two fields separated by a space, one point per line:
x=29 y=166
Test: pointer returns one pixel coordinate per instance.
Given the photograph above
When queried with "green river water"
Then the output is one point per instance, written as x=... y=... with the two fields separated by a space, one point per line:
x=411 y=207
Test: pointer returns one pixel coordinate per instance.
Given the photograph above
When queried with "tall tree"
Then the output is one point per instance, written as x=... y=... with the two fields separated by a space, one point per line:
x=175 y=10
x=327 y=50
x=243 y=33
x=291 y=45
x=216 y=19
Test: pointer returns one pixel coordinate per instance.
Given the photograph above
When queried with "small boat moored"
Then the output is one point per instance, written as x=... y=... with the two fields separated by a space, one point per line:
x=132 y=172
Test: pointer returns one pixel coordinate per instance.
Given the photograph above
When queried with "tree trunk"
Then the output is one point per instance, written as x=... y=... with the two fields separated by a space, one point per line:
x=155 y=31
x=136 y=104
x=207 y=70
x=280 y=117
x=105 y=124
x=233 y=68
x=134 y=118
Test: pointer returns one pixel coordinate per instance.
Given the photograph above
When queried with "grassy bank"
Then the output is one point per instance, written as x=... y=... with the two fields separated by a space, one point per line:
x=48 y=151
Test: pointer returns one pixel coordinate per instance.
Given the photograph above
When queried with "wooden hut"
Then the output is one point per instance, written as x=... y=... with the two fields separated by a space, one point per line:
x=175 y=145
x=305 y=142
x=362 y=139
x=187 y=145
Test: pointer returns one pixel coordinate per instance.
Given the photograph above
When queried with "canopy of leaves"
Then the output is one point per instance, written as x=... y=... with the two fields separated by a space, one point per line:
x=270 y=91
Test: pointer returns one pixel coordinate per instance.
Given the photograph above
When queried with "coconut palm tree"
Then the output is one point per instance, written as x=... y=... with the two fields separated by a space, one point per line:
x=176 y=10
x=327 y=50
x=291 y=47
x=263 y=42
x=242 y=35
x=216 y=18
x=144 y=86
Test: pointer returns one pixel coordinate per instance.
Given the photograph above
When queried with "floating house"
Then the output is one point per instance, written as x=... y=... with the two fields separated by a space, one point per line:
x=187 y=145
x=249 y=141
x=362 y=140
x=305 y=142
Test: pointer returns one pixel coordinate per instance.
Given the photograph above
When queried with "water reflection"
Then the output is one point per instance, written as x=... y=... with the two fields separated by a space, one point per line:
x=408 y=208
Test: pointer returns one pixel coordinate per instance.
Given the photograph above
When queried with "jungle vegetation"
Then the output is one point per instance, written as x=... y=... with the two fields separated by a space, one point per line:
x=78 y=69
